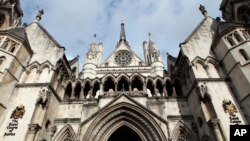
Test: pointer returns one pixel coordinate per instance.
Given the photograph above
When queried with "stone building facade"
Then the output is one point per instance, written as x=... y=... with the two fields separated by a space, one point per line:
x=46 y=97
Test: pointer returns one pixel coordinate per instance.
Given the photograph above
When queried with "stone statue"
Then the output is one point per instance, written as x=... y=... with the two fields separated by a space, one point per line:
x=43 y=97
x=202 y=90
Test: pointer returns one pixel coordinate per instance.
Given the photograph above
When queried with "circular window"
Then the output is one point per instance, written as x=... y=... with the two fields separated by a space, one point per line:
x=123 y=57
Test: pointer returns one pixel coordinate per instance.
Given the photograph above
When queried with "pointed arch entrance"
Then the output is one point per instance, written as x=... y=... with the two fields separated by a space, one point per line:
x=124 y=133
x=125 y=118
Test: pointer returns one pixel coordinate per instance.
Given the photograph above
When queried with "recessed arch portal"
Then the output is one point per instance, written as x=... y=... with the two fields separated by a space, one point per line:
x=114 y=119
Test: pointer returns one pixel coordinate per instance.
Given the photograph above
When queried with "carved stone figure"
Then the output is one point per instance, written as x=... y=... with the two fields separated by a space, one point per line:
x=43 y=97
x=202 y=90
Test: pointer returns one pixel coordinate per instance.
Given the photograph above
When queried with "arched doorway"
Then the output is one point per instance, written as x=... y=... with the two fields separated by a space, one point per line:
x=124 y=133
x=114 y=119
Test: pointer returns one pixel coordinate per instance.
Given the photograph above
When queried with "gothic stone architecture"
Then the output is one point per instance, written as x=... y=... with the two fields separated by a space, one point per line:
x=46 y=97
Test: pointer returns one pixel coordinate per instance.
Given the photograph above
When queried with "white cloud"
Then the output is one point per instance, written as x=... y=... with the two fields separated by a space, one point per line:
x=73 y=23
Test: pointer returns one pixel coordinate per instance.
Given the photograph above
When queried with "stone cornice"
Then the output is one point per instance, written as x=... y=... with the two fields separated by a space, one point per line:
x=123 y=71
x=67 y=120
x=25 y=85
x=197 y=80
x=180 y=117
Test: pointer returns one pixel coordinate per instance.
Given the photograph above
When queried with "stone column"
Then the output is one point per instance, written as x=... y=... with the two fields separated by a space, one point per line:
x=155 y=91
x=174 y=92
x=215 y=125
x=33 y=128
x=116 y=87
x=130 y=87
x=101 y=88
x=72 y=95
x=90 y=93
x=145 y=87
x=165 y=92
x=81 y=94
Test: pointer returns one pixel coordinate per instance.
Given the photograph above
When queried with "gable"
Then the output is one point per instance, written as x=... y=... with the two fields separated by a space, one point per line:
x=115 y=58
x=200 y=40
x=45 y=47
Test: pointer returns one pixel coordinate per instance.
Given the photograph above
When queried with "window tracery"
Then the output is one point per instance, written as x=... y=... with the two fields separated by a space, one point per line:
x=244 y=14
x=123 y=58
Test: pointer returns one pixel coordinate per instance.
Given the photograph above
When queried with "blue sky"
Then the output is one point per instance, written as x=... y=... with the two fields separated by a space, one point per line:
x=73 y=23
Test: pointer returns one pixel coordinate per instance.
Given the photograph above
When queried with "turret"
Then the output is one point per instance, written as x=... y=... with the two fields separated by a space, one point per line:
x=236 y=11
x=92 y=59
x=10 y=14
x=153 y=57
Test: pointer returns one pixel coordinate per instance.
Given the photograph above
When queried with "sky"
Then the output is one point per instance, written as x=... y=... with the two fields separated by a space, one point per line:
x=73 y=23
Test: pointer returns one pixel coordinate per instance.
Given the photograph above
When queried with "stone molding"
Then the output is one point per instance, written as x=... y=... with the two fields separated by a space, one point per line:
x=124 y=114
x=180 y=117
x=33 y=128
x=67 y=120
x=30 y=85
x=123 y=71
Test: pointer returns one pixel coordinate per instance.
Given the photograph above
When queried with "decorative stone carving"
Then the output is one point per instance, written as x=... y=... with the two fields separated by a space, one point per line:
x=33 y=128
x=229 y=107
x=202 y=90
x=214 y=123
x=123 y=57
x=43 y=98
x=18 y=112
x=53 y=130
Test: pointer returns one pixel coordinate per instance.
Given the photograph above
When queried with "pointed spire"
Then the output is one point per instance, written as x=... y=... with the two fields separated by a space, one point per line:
x=39 y=15
x=150 y=42
x=122 y=33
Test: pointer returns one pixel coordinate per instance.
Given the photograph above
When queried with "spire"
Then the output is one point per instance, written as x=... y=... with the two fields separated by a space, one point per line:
x=39 y=15
x=150 y=42
x=122 y=33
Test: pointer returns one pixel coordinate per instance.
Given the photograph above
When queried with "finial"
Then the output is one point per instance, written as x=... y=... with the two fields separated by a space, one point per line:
x=94 y=38
x=39 y=15
x=203 y=10
x=149 y=35
x=122 y=20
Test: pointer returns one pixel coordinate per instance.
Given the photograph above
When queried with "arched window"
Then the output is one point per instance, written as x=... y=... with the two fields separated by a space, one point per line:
x=137 y=84
x=123 y=84
x=2 y=58
x=150 y=86
x=86 y=89
x=5 y=45
x=238 y=37
x=245 y=34
x=77 y=90
x=230 y=40
x=159 y=87
x=68 y=91
x=96 y=88
x=12 y=49
x=109 y=84
x=244 y=54
x=244 y=14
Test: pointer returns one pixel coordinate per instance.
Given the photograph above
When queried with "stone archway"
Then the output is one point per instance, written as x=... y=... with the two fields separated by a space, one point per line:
x=124 y=133
x=135 y=119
